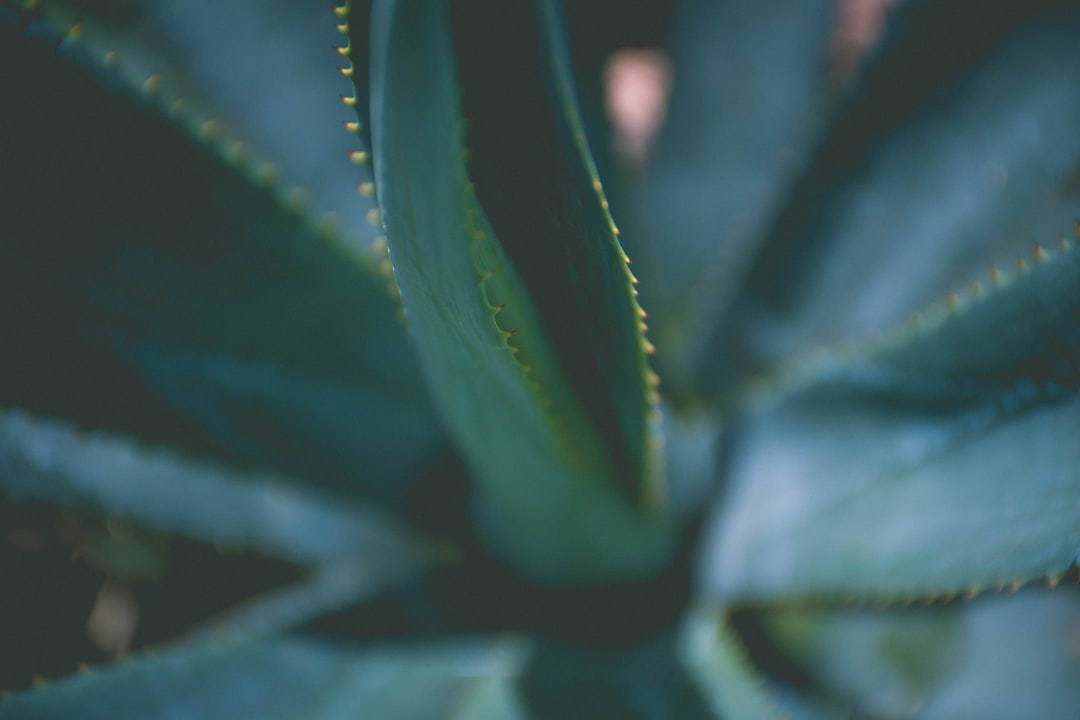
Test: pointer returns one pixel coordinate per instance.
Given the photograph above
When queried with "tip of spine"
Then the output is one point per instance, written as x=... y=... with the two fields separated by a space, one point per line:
x=297 y=199
x=268 y=174
x=328 y=224
x=238 y=152
x=212 y=129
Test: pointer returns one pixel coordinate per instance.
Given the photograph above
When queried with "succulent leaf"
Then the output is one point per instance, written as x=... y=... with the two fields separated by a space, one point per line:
x=905 y=655
x=553 y=222
x=717 y=663
x=202 y=332
x=483 y=339
x=940 y=661
x=970 y=141
x=286 y=678
x=260 y=84
x=51 y=461
x=958 y=469
x=171 y=290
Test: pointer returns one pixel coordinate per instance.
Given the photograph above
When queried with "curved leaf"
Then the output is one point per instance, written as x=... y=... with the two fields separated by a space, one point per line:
x=935 y=460
x=1001 y=656
x=492 y=698
x=257 y=80
x=169 y=283
x=51 y=461
x=873 y=663
x=1022 y=659
x=714 y=660
x=288 y=678
x=333 y=586
x=543 y=458
x=942 y=164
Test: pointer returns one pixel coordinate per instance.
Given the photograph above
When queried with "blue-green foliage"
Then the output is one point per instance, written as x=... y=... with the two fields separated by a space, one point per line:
x=408 y=355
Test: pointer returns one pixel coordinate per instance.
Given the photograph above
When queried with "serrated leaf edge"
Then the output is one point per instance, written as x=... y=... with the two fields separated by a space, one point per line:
x=786 y=378
x=214 y=135
x=900 y=601
x=706 y=626
x=655 y=491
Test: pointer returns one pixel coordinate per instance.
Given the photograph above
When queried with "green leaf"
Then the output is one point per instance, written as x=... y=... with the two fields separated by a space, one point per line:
x=552 y=222
x=718 y=665
x=873 y=663
x=334 y=586
x=51 y=461
x=922 y=181
x=502 y=362
x=491 y=698
x=748 y=96
x=357 y=439
x=173 y=300
x=937 y=459
x=1022 y=660
x=285 y=678
x=1000 y=656
x=207 y=66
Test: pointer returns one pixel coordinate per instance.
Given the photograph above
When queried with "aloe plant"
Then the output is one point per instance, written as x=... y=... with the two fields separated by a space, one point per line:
x=831 y=473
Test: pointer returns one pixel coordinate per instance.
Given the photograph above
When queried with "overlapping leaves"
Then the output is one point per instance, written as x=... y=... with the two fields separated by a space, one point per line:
x=784 y=213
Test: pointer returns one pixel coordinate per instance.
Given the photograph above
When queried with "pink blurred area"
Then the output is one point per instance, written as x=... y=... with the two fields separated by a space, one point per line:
x=638 y=80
